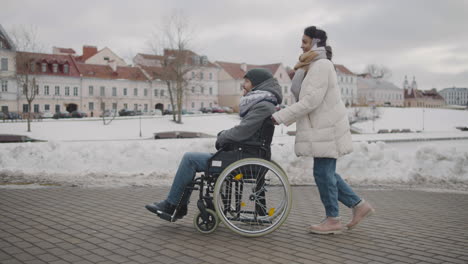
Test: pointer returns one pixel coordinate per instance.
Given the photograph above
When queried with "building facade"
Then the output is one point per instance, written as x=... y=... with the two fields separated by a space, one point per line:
x=378 y=92
x=8 y=88
x=455 y=96
x=417 y=98
x=347 y=81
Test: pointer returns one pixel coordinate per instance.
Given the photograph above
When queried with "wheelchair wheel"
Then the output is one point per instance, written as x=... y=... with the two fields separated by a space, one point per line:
x=206 y=227
x=252 y=197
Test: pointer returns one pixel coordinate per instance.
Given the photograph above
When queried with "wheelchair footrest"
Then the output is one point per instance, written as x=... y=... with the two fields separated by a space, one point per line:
x=166 y=217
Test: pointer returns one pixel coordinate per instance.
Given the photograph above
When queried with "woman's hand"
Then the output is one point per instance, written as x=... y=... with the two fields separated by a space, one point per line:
x=274 y=121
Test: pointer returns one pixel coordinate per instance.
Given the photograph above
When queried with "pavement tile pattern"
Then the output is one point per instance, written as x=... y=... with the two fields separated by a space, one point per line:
x=110 y=225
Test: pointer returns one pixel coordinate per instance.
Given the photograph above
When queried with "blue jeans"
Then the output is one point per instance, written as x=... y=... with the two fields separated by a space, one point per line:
x=332 y=187
x=192 y=162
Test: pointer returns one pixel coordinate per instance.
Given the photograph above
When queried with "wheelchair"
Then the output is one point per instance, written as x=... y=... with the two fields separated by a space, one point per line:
x=242 y=188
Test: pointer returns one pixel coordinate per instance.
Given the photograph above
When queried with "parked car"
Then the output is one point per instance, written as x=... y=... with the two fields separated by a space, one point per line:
x=206 y=110
x=108 y=113
x=13 y=116
x=138 y=112
x=126 y=112
x=47 y=114
x=78 y=114
x=217 y=110
x=153 y=112
x=62 y=114
x=228 y=109
x=167 y=112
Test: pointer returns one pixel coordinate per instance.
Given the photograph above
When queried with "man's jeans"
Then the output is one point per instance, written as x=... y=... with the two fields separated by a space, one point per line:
x=191 y=163
x=332 y=187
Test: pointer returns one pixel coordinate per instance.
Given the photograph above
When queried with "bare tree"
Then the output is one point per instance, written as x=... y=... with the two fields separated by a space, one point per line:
x=172 y=40
x=25 y=39
x=378 y=71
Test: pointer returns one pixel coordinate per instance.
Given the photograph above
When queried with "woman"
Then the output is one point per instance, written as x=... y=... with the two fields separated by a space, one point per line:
x=261 y=94
x=322 y=130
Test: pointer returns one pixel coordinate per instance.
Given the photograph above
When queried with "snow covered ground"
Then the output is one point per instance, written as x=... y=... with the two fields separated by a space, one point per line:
x=87 y=153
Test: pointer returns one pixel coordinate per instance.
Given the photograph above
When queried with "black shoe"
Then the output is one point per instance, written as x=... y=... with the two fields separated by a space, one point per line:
x=180 y=213
x=161 y=207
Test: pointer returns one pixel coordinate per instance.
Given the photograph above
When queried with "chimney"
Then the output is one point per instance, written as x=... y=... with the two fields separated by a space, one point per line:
x=243 y=67
x=89 y=51
x=113 y=65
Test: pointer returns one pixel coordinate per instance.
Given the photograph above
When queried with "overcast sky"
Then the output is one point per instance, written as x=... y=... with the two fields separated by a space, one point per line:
x=423 y=38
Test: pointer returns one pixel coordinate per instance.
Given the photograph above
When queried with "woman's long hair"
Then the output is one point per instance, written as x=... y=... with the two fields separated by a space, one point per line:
x=314 y=32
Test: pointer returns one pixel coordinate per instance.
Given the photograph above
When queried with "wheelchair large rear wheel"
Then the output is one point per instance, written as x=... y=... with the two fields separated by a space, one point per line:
x=252 y=197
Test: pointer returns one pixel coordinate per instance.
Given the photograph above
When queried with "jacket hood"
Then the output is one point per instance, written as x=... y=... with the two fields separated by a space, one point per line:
x=271 y=85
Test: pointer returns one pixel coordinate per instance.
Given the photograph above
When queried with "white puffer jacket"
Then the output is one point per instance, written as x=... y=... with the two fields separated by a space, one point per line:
x=322 y=126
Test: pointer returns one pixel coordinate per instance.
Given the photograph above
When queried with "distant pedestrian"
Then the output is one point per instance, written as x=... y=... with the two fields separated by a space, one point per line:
x=322 y=130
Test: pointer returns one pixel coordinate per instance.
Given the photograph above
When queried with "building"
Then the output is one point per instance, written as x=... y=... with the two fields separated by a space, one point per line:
x=417 y=98
x=455 y=96
x=231 y=78
x=8 y=89
x=378 y=92
x=202 y=77
x=347 y=81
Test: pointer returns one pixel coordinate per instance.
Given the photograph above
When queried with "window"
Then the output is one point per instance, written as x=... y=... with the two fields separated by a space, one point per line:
x=46 y=89
x=146 y=107
x=106 y=58
x=91 y=91
x=91 y=106
x=36 y=91
x=43 y=67
x=193 y=105
x=193 y=75
x=155 y=92
x=47 y=107
x=67 y=91
x=103 y=106
x=36 y=108
x=4 y=66
x=135 y=92
x=114 y=106
x=33 y=67
x=145 y=92
x=201 y=75
x=202 y=105
x=103 y=91
x=135 y=106
x=211 y=90
x=114 y=91
x=75 y=91
x=211 y=105
x=193 y=89
x=66 y=68
x=125 y=91
x=4 y=86
x=57 y=90
x=57 y=108
x=55 y=67
x=25 y=108
x=162 y=93
x=211 y=76
x=125 y=106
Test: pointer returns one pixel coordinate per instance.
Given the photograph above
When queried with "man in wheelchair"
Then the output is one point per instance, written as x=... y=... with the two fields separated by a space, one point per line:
x=261 y=95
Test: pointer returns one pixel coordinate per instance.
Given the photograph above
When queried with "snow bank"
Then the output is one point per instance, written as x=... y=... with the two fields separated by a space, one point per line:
x=154 y=162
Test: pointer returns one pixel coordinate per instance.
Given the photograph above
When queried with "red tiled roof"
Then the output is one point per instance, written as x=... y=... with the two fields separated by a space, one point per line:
x=236 y=72
x=343 y=69
x=106 y=72
x=66 y=50
x=38 y=58
x=153 y=72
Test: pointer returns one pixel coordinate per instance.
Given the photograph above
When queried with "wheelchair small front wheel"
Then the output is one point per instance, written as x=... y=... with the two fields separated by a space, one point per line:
x=206 y=226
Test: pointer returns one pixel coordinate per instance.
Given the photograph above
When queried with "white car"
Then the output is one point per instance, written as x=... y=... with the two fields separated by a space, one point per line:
x=153 y=112
x=47 y=114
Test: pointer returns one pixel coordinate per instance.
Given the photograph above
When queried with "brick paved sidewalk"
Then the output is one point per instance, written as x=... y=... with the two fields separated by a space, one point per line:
x=79 y=225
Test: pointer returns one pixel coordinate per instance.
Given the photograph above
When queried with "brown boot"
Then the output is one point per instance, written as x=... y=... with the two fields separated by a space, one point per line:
x=362 y=210
x=330 y=225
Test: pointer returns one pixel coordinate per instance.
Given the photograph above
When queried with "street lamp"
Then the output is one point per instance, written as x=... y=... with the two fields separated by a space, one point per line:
x=140 y=121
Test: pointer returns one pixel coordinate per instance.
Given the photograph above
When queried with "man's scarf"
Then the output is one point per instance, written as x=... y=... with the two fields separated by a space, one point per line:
x=255 y=96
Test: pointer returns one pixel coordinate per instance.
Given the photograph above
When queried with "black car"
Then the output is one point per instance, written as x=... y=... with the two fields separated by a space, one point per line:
x=61 y=114
x=167 y=112
x=206 y=110
x=13 y=116
x=126 y=112
x=78 y=114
